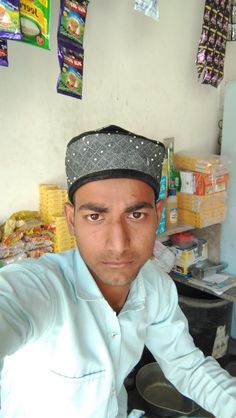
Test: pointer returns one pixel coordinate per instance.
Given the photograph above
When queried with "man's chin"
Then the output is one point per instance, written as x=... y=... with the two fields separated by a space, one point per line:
x=118 y=280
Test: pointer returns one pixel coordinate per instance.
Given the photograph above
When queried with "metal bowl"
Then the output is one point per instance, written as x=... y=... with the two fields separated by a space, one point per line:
x=159 y=395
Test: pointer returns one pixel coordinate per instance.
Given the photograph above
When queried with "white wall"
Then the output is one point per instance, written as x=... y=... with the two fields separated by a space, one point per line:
x=138 y=73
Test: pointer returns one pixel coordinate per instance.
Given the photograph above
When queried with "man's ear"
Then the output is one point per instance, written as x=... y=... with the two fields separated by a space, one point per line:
x=69 y=211
x=159 y=209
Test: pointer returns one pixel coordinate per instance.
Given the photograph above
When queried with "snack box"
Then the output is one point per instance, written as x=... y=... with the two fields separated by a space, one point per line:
x=184 y=258
x=202 y=219
x=202 y=184
x=217 y=165
x=201 y=203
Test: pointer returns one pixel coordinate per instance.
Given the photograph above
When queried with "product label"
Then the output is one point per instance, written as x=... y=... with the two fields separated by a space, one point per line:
x=35 y=22
x=173 y=215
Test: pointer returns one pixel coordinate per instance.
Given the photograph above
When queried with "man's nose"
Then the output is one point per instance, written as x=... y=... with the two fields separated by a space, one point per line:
x=118 y=237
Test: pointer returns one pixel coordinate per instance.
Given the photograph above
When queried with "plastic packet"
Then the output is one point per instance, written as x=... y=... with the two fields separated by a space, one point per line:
x=10 y=19
x=12 y=238
x=37 y=252
x=72 y=19
x=39 y=237
x=3 y=53
x=164 y=257
x=6 y=251
x=71 y=63
x=17 y=257
x=15 y=227
x=37 y=244
x=148 y=7
x=35 y=22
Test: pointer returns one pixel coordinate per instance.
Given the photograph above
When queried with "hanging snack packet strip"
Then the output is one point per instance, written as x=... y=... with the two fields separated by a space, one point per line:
x=72 y=19
x=10 y=20
x=211 y=50
x=3 y=53
x=70 y=46
x=71 y=63
x=35 y=22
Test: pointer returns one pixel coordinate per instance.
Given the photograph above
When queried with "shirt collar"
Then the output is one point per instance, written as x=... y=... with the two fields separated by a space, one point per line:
x=85 y=285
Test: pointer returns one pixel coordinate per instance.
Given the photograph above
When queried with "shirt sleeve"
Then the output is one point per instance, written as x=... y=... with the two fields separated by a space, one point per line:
x=194 y=375
x=25 y=308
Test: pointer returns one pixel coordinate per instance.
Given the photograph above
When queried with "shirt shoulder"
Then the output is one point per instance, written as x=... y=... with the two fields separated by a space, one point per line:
x=50 y=271
x=154 y=277
x=47 y=261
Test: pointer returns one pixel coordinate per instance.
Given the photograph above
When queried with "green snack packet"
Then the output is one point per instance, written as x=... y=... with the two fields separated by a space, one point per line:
x=71 y=58
x=35 y=22
x=72 y=19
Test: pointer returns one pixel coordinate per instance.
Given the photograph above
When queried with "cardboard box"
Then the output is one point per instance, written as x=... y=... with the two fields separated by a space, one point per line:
x=185 y=258
x=202 y=184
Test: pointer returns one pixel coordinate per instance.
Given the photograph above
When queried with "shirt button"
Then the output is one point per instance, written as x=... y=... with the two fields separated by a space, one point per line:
x=114 y=334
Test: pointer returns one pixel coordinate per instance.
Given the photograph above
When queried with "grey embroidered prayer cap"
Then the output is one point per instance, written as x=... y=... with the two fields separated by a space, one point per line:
x=113 y=152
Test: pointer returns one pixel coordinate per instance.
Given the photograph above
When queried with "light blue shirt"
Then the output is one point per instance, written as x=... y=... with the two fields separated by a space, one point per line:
x=66 y=352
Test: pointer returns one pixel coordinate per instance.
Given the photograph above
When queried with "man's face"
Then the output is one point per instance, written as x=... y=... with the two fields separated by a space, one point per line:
x=114 y=222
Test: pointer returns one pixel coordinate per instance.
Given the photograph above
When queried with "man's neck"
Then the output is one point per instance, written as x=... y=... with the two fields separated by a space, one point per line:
x=115 y=295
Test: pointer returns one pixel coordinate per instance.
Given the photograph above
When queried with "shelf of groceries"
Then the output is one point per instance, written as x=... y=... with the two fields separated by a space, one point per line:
x=194 y=188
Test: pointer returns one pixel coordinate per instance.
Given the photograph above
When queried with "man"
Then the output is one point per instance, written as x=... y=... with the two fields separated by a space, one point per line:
x=73 y=325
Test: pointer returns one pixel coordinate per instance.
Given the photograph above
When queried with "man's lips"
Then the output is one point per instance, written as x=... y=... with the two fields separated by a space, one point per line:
x=118 y=264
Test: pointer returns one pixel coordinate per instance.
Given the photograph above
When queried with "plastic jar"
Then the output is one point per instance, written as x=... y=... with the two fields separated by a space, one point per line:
x=171 y=209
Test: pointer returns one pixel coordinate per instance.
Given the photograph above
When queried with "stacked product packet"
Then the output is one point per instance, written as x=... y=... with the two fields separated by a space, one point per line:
x=25 y=235
x=203 y=192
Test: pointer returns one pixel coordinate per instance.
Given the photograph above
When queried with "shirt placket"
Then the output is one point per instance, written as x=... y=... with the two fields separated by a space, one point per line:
x=114 y=341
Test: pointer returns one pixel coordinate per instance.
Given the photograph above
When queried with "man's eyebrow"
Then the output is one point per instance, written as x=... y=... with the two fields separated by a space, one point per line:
x=94 y=207
x=138 y=206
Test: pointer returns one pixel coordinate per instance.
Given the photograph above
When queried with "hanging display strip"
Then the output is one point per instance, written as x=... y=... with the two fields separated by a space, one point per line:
x=70 y=37
x=211 y=50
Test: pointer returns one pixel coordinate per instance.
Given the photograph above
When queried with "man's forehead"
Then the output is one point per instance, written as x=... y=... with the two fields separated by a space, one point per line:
x=123 y=191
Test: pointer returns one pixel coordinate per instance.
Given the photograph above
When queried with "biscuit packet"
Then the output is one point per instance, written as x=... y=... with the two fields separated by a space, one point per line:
x=72 y=19
x=3 y=53
x=35 y=22
x=71 y=58
x=10 y=19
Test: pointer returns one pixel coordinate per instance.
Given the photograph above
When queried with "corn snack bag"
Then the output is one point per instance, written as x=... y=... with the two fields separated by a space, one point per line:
x=35 y=22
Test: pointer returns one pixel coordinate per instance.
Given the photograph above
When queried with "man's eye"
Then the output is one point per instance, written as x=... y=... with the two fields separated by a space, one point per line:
x=136 y=215
x=94 y=217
